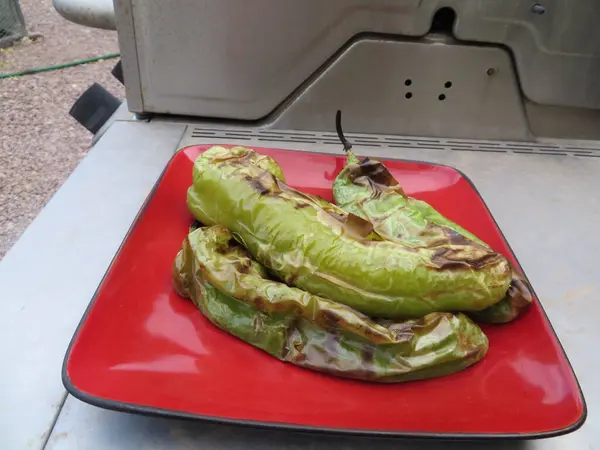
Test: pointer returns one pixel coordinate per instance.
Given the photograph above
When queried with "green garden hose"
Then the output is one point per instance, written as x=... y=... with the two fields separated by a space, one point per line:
x=58 y=66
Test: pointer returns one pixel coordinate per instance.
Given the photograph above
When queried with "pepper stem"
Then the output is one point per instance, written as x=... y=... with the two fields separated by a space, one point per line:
x=338 y=127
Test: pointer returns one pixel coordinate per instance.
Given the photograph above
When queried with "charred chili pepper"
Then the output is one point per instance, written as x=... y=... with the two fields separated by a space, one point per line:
x=367 y=189
x=233 y=292
x=314 y=245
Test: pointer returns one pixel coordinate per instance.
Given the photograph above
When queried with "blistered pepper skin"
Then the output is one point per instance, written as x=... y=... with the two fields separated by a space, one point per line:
x=316 y=246
x=514 y=304
x=233 y=292
x=366 y=188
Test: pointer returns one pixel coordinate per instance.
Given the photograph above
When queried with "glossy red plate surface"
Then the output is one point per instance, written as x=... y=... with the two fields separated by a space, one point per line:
x=142 y=348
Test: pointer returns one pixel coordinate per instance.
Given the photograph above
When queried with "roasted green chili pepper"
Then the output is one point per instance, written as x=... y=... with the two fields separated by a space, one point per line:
x=316 y=246
x=517 y=300
x=233 y=292
x=367 y=189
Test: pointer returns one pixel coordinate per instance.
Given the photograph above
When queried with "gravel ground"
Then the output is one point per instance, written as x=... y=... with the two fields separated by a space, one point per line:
x=40 y=144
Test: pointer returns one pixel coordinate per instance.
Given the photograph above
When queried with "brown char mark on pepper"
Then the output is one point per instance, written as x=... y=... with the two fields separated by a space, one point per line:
x=262 y=183
x=359 y=225
x=258 y=186
x=367 y=354
x=230 y=159
x=520 y=293
x=291 y=279
x=374 y=171
x=227 y=247
x=447 y=259
x=293 y=351
x=468 y=349
x=440 y=235
x=260 y=302
x=400 y=329
x=458 y=239
x=265 y=305
x=330 y=318
x=353 y=223
x=243 y=266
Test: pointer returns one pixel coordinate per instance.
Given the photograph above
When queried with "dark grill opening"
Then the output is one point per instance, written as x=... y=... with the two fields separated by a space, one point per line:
x=443 y=21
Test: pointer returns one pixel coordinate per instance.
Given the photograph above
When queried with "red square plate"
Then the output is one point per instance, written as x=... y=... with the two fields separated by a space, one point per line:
x=141 y=348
